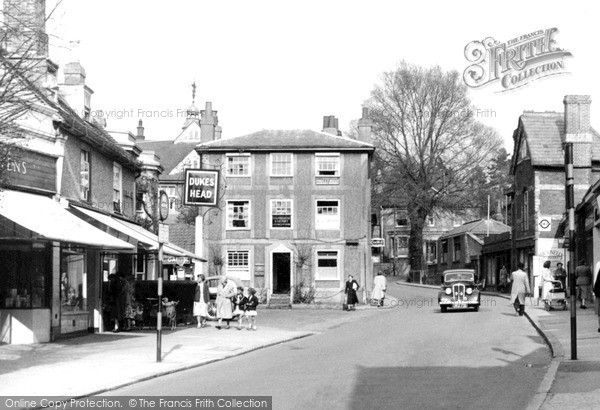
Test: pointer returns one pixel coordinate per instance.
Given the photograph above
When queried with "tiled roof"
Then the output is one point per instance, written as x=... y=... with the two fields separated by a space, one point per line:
x=294 y=140
x=184 y=235
x=170 y=153
x=94 y=135
x=544 y=133
x=74 y=124
x=479 y=227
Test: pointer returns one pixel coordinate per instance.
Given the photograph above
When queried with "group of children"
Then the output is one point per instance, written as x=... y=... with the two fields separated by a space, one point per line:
x=245 y=306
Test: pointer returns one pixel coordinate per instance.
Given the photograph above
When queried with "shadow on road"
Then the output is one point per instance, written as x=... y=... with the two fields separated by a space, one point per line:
x=450 y=387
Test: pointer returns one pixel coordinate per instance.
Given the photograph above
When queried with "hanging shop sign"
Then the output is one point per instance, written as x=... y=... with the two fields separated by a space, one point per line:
x=201 y=187
x=163 y=205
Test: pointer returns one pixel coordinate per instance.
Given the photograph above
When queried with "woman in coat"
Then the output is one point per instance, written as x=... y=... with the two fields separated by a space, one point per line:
x=547 y=279
x=201 y=299
x=350 y=291
x=225 y=292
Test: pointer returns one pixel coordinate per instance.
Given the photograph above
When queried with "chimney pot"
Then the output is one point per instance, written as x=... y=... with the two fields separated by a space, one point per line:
x=140 y=131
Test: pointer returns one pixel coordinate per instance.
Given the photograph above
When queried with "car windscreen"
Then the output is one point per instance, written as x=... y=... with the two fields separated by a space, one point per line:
x=458 y=276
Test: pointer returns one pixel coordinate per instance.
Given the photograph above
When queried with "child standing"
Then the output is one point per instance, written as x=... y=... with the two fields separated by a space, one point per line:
x=251 y=305
x=239 y=302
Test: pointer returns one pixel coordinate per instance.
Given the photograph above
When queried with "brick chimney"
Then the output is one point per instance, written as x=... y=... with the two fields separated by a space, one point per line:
x=577 y=128
x=330 y=125
x=74 y=91
x=209 y=124
x=365 y=125
x=140 y=132
x=25 y=37
x=577 y=131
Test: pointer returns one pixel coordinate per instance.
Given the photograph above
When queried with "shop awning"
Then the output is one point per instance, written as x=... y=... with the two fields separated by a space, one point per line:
x=169 y=249
x=138 y=233
x=48 y=219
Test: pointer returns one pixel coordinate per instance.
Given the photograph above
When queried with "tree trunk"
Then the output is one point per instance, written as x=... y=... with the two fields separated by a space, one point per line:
x=415 y=242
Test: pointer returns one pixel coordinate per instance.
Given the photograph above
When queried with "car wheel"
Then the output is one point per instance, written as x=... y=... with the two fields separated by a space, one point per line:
x=444 y=308
x=212 y=310
x=476 y=308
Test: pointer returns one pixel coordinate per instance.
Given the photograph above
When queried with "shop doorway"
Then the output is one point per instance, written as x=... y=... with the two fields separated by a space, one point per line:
x=282 y=272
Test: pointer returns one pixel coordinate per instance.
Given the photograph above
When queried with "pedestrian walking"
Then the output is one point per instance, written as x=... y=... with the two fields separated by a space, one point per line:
x=201 y=299
x=117 y=299
x=547 y=280
x=129 y=289
x=350 y=290
x=225 y=293
x=561 y=275
x=379 y=288
x=250 y=309
x=239 y=301
x=503 y=282
x=520 y=288
x=583 y=275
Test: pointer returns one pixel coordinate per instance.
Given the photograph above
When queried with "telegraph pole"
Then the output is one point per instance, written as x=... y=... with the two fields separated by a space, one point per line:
x=570 y=205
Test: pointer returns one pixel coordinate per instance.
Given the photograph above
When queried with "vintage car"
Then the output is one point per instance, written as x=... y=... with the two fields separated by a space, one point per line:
x=459 y=290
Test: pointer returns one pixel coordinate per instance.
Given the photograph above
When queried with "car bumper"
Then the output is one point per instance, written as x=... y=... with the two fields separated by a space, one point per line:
x=458 y=304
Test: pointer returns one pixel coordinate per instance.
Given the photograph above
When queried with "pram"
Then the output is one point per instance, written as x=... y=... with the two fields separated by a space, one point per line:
x=556 y=297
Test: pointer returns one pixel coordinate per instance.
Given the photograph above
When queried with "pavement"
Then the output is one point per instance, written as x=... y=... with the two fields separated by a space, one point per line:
x=92 y=364
x=88 y=365
x=568 y=384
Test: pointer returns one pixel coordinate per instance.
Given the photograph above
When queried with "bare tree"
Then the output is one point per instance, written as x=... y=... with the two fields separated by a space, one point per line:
x=430 y=150
x=24 y=68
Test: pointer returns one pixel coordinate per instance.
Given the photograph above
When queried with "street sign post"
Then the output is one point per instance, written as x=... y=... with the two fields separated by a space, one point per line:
x=163 y=236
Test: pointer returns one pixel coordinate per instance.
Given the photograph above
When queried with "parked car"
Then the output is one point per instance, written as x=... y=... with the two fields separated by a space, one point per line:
x=213 y=284
x=459 y=290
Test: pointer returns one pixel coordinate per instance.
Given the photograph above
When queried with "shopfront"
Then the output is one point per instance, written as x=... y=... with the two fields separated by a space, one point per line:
x=51 y=275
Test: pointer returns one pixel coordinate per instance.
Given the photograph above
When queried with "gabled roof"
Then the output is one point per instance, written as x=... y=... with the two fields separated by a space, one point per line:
x=479 y=227
x=171 y=154
x=286 y=140
x=544 y=132
x=74 y=124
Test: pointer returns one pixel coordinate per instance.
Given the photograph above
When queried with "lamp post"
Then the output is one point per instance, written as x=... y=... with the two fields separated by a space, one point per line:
x=570 y=205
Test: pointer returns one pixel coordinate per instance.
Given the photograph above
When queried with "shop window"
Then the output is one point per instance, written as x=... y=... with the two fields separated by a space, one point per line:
x=73 y=279
x=140 y=262
x=327 y=265
x=25 y=280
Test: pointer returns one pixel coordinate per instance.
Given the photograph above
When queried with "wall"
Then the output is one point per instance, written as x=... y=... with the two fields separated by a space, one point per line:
x=101 y=180
x=353 y=192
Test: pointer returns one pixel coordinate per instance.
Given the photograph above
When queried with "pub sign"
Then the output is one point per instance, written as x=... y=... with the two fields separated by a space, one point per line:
x=201 y=187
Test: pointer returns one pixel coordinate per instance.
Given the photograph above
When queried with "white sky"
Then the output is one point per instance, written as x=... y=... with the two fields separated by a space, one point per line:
x=283 y=64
